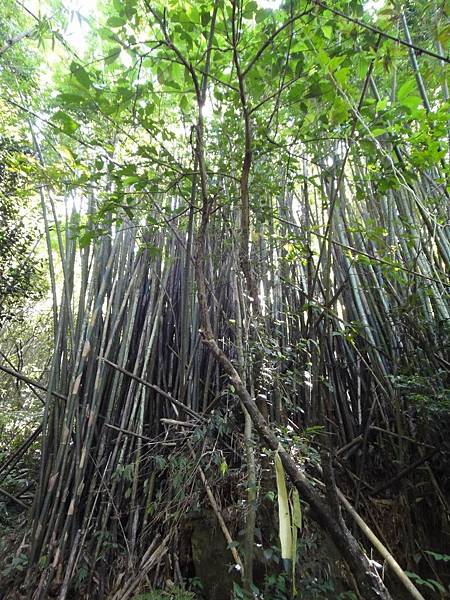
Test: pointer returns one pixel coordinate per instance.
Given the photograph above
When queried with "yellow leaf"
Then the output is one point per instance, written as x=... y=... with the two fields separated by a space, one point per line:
x=283 y=511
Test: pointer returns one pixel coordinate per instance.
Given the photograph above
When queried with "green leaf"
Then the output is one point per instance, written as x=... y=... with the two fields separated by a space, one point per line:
x=130 y=8
x=115 y=22
x=405 y=89
x=339 y=111
x=130 y=180
x=107 y=34
x=296 y=92
x=176 y=76
x=184 y=103
x=335 y=62
x=205 y=18
x=262 y=14
x=161 y=76
x=437 y=556
x=250 y=9
x=67 y=98
x=342 y=75
x=85 y=239
x=323 y=58
x=80 y=74
x=378 y=131
x=363 y=63
x=382 y=104
x=65 y=121
x=314 y=91
x=411 y=102
x=113 y=55
x=443 y=35
x=327 y=31
x=193 y=14
x=299 y=46
x=178 y=72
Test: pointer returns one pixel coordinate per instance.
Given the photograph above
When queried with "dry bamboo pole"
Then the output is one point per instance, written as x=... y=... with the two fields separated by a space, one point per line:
x=390 y=560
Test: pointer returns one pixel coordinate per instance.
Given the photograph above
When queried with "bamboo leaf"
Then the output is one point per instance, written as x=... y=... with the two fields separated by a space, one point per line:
x=285 y=531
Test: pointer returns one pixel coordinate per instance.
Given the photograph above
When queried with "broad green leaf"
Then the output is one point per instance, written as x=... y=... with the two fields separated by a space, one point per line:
x=405 y=89
x=262 y=14
x=299 y=46
x=161 y=75
x=130 y=180
x=85 y=239
x=80 y=74
x=68 y=98
x=115 y=22
x=443 y=35
x=130 y=8
x=193 y=13
x=378 y=131
x=342 y=75
x=382 y=104
x=296 y=92
x=339 y=111
x=314 y=91
x=106 y=33
x=184 y=103
x=335 y=62
x=363 y=63
x=65 y=121
x=323 y=58
x=176 y=77
x=411 y=102
x=249 y=9
x=113 y=55
x=327 y=31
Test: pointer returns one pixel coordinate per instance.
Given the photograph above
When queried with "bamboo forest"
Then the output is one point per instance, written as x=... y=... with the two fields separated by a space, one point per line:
x=224 y=299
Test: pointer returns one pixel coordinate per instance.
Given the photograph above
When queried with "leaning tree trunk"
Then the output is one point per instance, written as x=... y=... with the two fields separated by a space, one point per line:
x=369 y=584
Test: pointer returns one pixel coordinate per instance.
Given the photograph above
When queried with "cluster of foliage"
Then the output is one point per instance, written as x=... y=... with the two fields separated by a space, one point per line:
x=20 y=270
